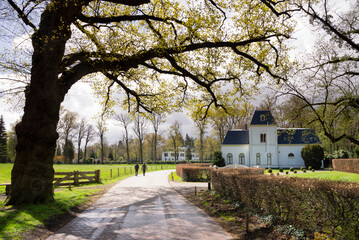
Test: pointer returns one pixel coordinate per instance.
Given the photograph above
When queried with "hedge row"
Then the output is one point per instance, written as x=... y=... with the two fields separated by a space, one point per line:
x=202 y=172
x=193 y=172
x=242 y=171
x=312 y=205
x=346 y=165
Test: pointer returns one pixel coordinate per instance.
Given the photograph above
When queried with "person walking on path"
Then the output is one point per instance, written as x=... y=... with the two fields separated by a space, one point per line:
x=136 y=169
x=144 y=168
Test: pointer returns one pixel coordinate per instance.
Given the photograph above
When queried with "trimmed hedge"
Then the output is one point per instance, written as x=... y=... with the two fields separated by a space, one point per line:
x=346 y=165
x=241 y=171
x=194 y=172
x=311 y=205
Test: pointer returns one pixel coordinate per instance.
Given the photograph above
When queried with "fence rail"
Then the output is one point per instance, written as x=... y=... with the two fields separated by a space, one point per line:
x=76 y=178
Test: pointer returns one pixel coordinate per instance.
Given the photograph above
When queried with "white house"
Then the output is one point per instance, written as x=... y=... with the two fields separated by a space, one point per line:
x=181 y=155
x=263 y=144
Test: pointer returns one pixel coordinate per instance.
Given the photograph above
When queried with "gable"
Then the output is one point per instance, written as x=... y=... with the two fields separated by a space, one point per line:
x=297 y=136
x=262 y=117
x=236 y=137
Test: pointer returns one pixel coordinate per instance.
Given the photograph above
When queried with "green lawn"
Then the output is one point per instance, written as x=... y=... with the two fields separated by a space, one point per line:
x=15 y=222
x=329 y=175
x=118 y=171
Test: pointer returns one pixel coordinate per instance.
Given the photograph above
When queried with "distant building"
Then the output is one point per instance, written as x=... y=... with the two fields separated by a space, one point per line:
x=263 y=144
x=170 y=155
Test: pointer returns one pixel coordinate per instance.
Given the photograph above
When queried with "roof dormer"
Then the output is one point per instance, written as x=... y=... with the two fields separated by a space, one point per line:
x=262 y=117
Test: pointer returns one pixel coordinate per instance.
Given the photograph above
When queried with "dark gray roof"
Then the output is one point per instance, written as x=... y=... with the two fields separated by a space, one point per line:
x=257 y=120
x=236 y=137
x=297 y=136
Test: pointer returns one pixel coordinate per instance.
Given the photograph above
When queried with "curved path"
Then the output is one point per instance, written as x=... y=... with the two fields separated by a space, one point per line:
x=142 y=207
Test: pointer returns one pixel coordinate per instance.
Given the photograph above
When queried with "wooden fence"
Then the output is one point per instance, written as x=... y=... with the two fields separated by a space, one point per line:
x=76 y=178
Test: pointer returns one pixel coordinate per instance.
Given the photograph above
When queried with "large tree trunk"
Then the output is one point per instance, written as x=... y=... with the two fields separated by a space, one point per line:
x=33 y=173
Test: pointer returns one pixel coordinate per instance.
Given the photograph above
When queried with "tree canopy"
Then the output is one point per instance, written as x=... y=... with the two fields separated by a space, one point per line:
x=158 y=53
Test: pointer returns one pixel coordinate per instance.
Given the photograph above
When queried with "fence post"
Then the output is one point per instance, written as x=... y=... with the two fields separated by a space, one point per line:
x=76 y=178
x=97 y=176
x=111 y=173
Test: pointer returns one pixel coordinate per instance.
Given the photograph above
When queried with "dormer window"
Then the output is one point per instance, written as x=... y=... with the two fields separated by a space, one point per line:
x=262 y=117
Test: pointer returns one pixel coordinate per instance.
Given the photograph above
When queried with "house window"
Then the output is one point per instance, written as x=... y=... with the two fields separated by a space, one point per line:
x=263 y=137
x=258 y=159
x=229 y=158
x=242 y=159
x=263 y=118
x=269 y=159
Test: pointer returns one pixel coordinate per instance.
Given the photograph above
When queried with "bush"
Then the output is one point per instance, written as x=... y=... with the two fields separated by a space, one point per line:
x=304 y=170
x=310 y=168
x=280 y=169
x=218 y=160
x=291 y=169
x=346 y=165
x=286 y=172
x=313 y=155
x=295 y=171
x=313 y=170
x=269 y=170
x=304 y=198
x=301 y=169
x=356 y=152
x=341 y=154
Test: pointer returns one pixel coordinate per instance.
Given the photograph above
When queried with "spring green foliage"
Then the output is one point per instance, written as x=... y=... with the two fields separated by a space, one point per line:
x=312 y=155
x=218 y=160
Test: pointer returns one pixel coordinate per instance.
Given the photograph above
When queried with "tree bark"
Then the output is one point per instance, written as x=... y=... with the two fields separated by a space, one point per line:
x=33 y=173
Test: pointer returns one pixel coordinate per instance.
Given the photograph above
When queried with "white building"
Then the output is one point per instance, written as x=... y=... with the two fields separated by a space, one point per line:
x=181 y=155
x=263 y=144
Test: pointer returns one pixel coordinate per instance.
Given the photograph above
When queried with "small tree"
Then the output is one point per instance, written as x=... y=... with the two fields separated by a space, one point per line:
x=356 y=152
x=188 y=154
x=313 y=155
x=218 y=160
x=3 y=142
x=69 y=151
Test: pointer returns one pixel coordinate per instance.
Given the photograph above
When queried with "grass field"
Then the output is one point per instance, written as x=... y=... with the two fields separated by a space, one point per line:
x=14 y=222
x=118 y=171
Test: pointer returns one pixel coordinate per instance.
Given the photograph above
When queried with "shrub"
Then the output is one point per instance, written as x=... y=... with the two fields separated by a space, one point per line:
x=304 y=198
x=341 y=154
x=346 y=165
x=310 y=168
x=313 y=170
x=280 y=169
x=313 y=155
x=295 y=171
x=286 y=172
x=330 y=169
x=218 y=160
x=291 y=169
x=277 y=173
x=356 y=152
x=304 y=170
x=301 y=169
x=269 y=170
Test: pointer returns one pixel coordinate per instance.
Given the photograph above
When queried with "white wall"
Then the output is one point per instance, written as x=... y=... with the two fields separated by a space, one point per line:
x=263 y=148
x=236 y=150
x=285 y=162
